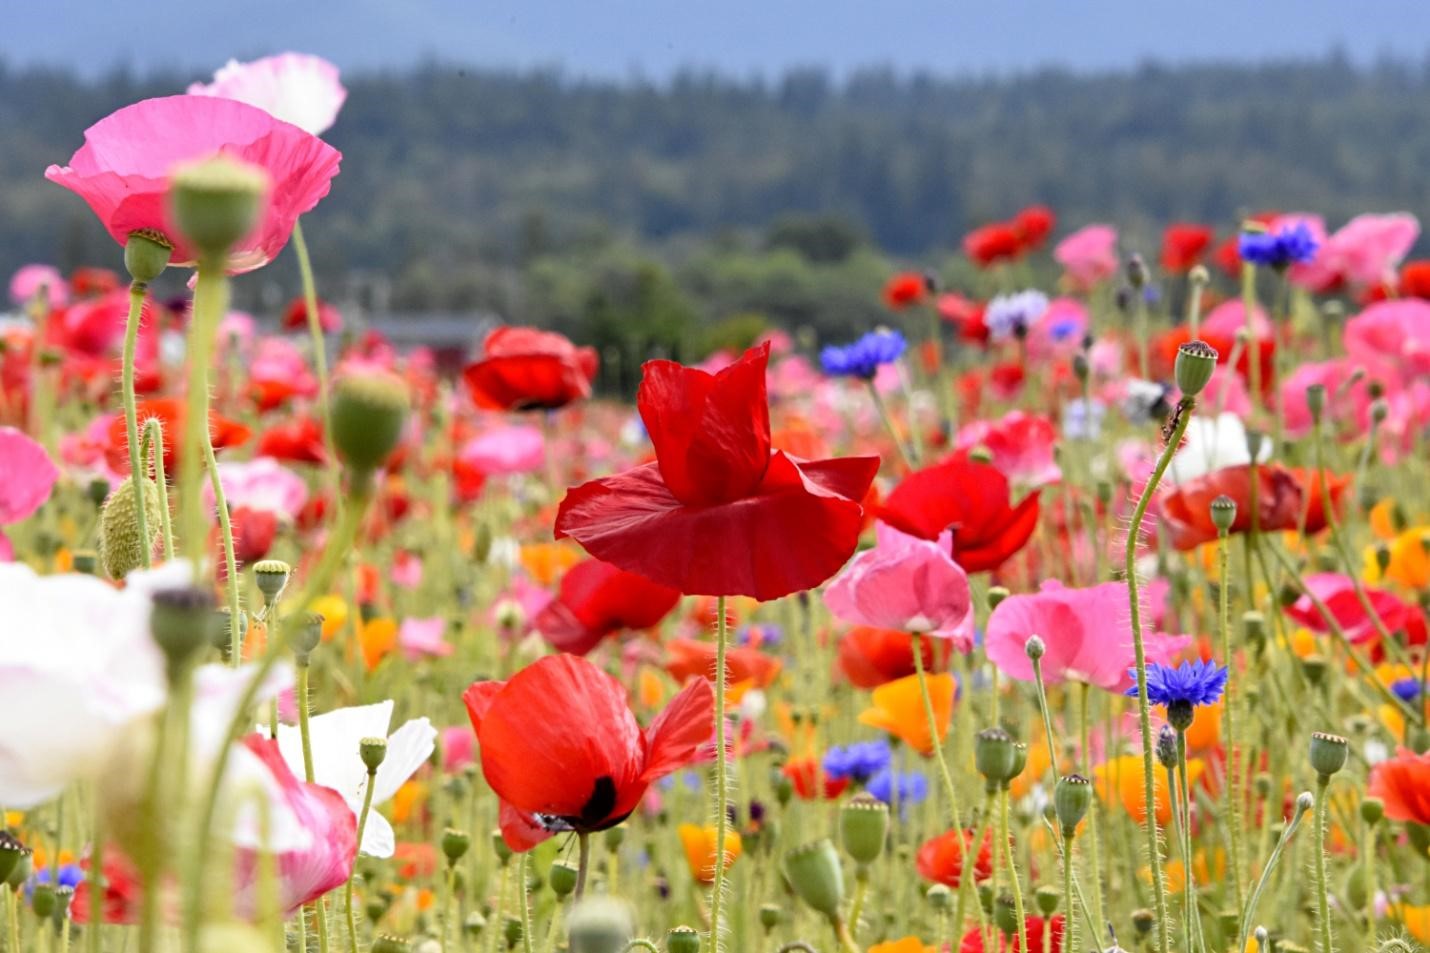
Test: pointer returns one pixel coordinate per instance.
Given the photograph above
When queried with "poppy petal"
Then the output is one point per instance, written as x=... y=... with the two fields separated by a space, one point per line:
x=678 y=733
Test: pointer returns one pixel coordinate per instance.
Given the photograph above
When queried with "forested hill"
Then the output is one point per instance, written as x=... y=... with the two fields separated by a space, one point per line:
x=449 y=170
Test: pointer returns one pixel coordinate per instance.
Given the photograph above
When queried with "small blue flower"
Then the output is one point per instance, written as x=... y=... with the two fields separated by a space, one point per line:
x=1286 y=246
x=1191 y=683
x=857 y=762
x=763 y=634
x=1408 y=689
x=913 y=787
x=865 y=356
x=1010 y=316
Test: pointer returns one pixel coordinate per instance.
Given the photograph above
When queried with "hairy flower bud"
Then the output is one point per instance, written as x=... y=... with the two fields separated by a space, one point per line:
x=682 y=939
x=121 y=551
x=814 y=872
x=994 y=755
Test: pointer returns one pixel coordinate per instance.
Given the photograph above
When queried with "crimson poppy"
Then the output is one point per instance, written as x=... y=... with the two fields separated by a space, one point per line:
x=720 y=512
x=941 y=860
x=597 y=600
x=1415 y=279
x=810 y=781
x=295 y=316
x=1034 y=224
x=904 y=290
x=970 y=498
x=972 y=941
x=299 y=440
x=688 y=658
x=527 y=369
x=1310 y=482
x=1184 y=244
x=87 y=282
x=1186 y=510
x=170 y=411
x=870 y=656
x=562 y=749
x=992 y=243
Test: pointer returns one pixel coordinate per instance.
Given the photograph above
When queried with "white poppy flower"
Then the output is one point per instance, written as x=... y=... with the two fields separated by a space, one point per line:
x=1214 y=443
x=295 y=87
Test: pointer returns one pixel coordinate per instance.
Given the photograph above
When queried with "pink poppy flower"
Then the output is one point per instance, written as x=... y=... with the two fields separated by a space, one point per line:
x=298 y=88
x=504 y=450
x=29 y=475
x=123 y=168
x=1059 y=331
x=30 y=280
x=1366 y=251
x=1337 y=591
x=459 y=748
x=406 y=570
x=1021 y=444
x=1351 y=402
x=1087 y=633
x=1229 y=317
x=1395 y=332
x=907 y=584
x=1088 y=255
x=422 y=638
x=261 y=484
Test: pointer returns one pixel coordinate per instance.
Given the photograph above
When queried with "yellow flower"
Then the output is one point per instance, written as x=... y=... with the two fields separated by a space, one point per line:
x=1409 y=559
x=334 y=612
x=700 y=849
x=909 y=944
x=899 y=709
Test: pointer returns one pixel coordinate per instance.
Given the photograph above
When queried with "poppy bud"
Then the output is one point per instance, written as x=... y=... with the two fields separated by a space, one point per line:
x=121 y=551
x=454 y=842
x=216 y=202
x=997 y=594
x=940 y=897
x=814 y=872
x=1196 y=360
x=1035 y=647
x=682 y=939
x=305 y=634
x=387 y=943
x=599 y=925
x=1328 y=754
x=271 y=575
x=1071 y=799
x=770 y=916
x=373 y=752
x=368 y=412
x=1263 y=939
x=1372 y=809
x=511 y=930
x=500 y=848
x=1143 y=920
x=1046 y=899
x=1223 y=510
x=43 y=901
x=993 y=755
x=1314 y=667
x=146 y=255
x=1199 y=275
x=21 y=871
x=1304 y=802
x=863 y=825
x=562 y=878
x=1254 y=440
x=1379 y=410
x=474 y=924
x=1316 y=401
x=180 y=623
x=1005 y=914
x=11 y=851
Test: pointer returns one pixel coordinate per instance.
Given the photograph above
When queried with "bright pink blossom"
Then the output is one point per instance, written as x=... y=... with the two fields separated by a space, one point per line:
x=295 y=87
x=1393 y=332
x=1021 y=444
x=1337 y=592
x=28 y=475
x=30 y=280
x=505 y=449
x=261 y=484
x=1363 y=253
x=422 y=638
x=1088 y=255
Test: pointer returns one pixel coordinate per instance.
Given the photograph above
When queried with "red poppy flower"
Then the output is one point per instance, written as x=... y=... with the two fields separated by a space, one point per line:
x=1034 y=224
x=720 y=512
x=170 y=412
x=870 y=656
x=691 y=658
x=940 y=859
x=1166 y=344
x=972 y=941
x=1186 y=509
x=1415 y=279
x=992 y=243
x=597 y=600
x=299 y=440
x=527 y=369
x=1338 y=593
x=85 y=282
x=561 y=748
x=123 y=891
x=905 y=289
x=1184 y=244
x=972 y=500
x=253 y=534
x=295 y=316
x=965 y=314
x=1403 y=783
x=807 y=777
x=1310 y=482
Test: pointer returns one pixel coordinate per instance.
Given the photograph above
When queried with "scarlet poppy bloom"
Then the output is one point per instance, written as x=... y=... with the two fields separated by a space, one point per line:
x=720 y=512
x=527 y=369
x=87 y=282
x=295 y=316
x=1186 y=510
x=691 y=658
x=223 y=432
x=1184 y=244
x=1309 y=480
x=299 y=440
x=941 y=859
x=1403 y=783
x=1034 y=224
x=905 y=289
x=597 y=600
x=993 y=243
x=123 y=169
x=1415 y=279
x=869 y=657
x=1337 y=592
x=972 y=941
x=563 y=751
x=810 y=782
x=972 y=500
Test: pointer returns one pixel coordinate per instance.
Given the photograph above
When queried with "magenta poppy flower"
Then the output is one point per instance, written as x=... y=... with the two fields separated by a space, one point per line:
x=504 y=450
x=1365 y=252
x=1021 y=444
x=30 y=280
x=29 y=476
x=295 y=87
x=261 y=484
x=1392 y=332
x=908 y=584
x=1088 y=255
x=1087 y=632
x=123 y=169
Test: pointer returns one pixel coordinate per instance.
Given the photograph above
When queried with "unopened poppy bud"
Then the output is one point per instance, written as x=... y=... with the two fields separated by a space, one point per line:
x=1046 y=899
x=1372 y=809
x=216 y=202
x=863 y=825
x=1379 y=410
x=454 y=842
x=368 y=412
x=500 y=848
x=146 y=255
x=1005 y=914
x=181 y=623
x=11 y=851
x=121 y=550
x=1136 y=271
x=1143 y=920
x=1328 y=753
x=1223 y=510
x=1199 y=275
x=996 y=594
x=562 y=878
x=1035 y=647
x=271 y=575
x=980 y=454
x=21 y=871
x=599 y=925
x=682 y=939
x=1196 y=361
x=994 y=755
x=1071 y=799
x=814 y=872
x=43 y=901
x=373 y=752
x=1316 y=401
x=85 y=561
x=770 y=916
x=474 y=924
x=511 y=931
x=387 y=943
x=940 y=897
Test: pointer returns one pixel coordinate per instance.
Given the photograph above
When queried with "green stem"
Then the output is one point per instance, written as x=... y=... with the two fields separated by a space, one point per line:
x=856 y=908
x=1070 y=922
x=1047 y=716
x=934 y=740
x=1095 y=846
x=315 y=332
x=348 y=889
x=137 y=470
x=1250 y=912
x=154 y=437
x=522 y=875
x=1232 y=808
x=722 y=792
x=210 y=304
x=235 y=623
x=1191 y=914
x=883 y=410
x=1005 y=837
x=1323 y=904
x=583 y=865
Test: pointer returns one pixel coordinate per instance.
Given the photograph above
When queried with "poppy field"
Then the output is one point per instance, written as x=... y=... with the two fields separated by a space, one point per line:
x=1081 y=605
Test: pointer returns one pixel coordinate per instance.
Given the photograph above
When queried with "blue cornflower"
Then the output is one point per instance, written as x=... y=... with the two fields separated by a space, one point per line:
x=1278 y=249
x=1010 y=316
x=71 y=875
x=1191 y=683
x=763 y=634
x=1408 y=689
x=858 y=762
x=1082 y=419
x=913 y=787
x=865 y=356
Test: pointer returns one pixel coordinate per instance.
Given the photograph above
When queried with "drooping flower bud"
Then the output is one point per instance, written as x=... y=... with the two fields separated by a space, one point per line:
x=1196 y=361
x=863 y=826
x=368 y=412
x=121 y=550
x=1328 y=753
x=216 y=202
x=814 y=872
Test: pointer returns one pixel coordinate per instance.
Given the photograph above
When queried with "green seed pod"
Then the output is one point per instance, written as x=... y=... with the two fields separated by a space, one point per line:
x=1223 y=510
x=146 y=255
x=474 y=924
x=814 y=872
x=1005 y=914
x=1315 y=668
x=43 y=901
x=373 y=752
x=305 y=634
x=182 y=623
x=1372 y=810
x=271 y=575
x=770 y=916
x=682 y=939
x=940 y=897
x=562 y=878
x=500 y=848
x=21 y=871
x=454 y=842
x=1143 y=920
x=1046 y=899
x=994 y=755
x=368 y=412
x=216 y=202
x=599 y=925
x=1196 y=360
x=997 y=594
x=511 y=931
x=387 y=943
x=863 y=826
x=121 y=551
x=1072 y=797
x=11 y=852
x=1020 y=758
x=1328 y=753
x=375 y=908
x=615 y=837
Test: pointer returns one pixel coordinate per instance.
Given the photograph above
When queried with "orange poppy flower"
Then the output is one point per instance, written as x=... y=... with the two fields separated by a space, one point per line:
x=687 y=658
x=1119 y=780
x=909 y=944
x=378 y=638
x=546 y=562
x=700 y=849
x=898 y=708
x=1409 y=559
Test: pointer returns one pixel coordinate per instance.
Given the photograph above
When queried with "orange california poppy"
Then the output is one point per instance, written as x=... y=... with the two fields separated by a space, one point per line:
x=898 y=708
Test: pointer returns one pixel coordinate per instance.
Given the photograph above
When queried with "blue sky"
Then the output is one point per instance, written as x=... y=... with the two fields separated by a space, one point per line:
x=652 y=38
